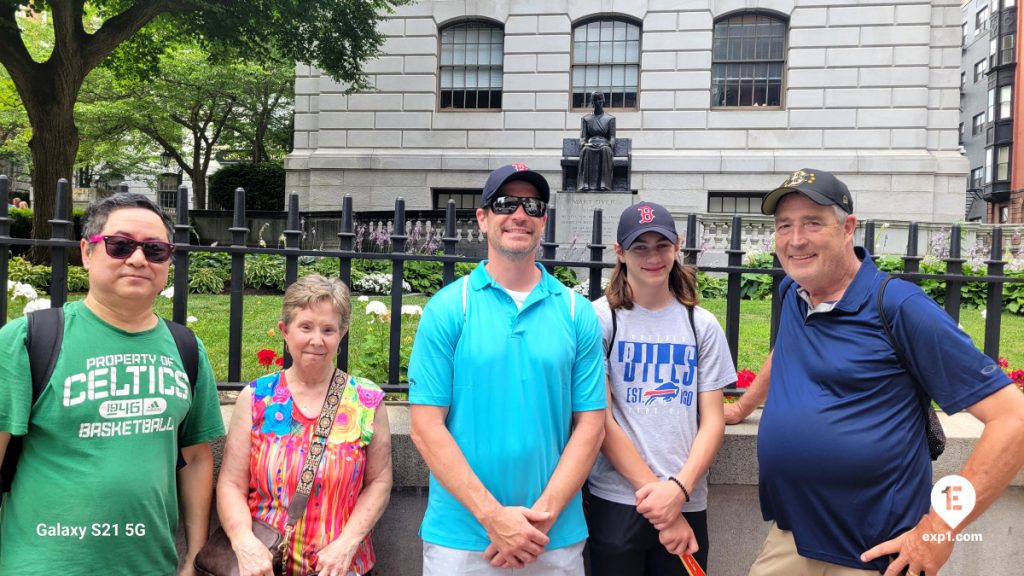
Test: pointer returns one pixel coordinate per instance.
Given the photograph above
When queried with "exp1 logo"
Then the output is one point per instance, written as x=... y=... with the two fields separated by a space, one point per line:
x=953 y=499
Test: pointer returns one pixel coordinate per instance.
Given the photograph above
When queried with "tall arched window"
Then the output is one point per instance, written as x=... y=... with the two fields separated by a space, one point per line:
x=471 y=65
x=606 y=57
x=748 y=60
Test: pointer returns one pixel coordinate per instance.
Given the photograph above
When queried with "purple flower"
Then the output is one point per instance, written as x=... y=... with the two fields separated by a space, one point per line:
x=369 y=398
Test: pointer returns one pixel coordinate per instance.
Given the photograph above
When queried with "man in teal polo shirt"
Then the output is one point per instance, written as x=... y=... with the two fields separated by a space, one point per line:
x=507 y=388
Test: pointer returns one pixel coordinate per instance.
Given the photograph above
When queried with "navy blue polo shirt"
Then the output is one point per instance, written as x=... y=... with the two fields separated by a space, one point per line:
x=842 y=451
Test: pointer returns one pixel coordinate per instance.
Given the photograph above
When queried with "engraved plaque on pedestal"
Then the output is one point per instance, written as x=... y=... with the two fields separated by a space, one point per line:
x=575 y=222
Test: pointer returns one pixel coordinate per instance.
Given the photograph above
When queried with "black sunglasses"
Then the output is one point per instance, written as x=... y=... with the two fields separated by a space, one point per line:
x=505 y=205
x=122 y=247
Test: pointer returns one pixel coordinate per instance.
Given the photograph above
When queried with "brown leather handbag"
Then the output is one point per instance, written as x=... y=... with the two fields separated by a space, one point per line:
x=217 y=558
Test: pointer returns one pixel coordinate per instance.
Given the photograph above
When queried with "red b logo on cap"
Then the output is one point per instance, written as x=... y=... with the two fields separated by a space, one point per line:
x=646 y=214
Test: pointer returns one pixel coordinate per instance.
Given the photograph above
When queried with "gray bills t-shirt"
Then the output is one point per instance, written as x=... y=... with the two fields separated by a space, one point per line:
x=655 y=376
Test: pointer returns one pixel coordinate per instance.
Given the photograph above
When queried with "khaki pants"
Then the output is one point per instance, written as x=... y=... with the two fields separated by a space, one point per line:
x=779 y=556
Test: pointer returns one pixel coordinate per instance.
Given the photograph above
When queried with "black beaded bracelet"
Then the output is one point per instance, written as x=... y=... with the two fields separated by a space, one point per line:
x=681 y=487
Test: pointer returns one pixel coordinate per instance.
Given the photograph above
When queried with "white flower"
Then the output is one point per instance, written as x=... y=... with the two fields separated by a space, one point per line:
x=25 y=290
x=412 y=309
x=377 y=283
x=363 y=298
x=984 y=314
x=376 y=307
x=191 y=319
x=40 y=304
x=168 y=292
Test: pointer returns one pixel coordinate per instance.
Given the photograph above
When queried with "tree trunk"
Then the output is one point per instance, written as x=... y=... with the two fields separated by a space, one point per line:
x=54 y=145
x=199 y=190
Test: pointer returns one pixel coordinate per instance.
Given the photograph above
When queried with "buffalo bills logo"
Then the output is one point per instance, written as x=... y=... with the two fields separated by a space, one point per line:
x=520 y=166
x=667 y=392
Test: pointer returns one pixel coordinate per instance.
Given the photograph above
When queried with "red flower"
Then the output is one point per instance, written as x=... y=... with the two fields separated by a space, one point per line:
x=744 y=378
x=1004 y=363
x=266 y=357
x=1018 y=377
x=279 y=361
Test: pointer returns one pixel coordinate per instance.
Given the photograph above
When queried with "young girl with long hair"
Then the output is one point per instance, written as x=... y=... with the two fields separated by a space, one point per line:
x=667 y=361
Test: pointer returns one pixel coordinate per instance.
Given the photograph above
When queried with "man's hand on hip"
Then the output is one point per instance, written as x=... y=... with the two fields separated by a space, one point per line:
x=515 y=540
x=925 y=549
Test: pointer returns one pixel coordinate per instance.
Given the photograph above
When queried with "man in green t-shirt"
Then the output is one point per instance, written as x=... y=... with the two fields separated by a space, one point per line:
x=96 y=489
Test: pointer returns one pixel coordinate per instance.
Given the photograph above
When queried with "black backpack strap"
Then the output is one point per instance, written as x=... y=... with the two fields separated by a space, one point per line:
x=188 y=349
x=611 y=341
x=43 y=339
x=933 y=428
x=784 y=288
x=696 y=344
x=45 y=335
x=693 y=327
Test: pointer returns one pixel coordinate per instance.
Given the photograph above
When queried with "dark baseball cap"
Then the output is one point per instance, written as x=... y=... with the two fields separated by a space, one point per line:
x=511 y=173
x=818 y=185
x=645 y=217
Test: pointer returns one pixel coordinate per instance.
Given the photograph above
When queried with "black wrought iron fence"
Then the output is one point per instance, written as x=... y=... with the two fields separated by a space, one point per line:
x=448 y=255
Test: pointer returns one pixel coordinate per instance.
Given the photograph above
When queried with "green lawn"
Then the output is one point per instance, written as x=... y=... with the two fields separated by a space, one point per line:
x=261 y=313
x=755 y=328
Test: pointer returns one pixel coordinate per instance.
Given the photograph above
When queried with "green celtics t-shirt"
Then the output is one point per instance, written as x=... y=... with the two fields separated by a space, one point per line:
x=95 y=491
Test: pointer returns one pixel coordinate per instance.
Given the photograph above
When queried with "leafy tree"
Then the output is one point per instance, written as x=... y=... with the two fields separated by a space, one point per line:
x=335 y=35
x=263 y=122
x=190 y=95
x=110 y=146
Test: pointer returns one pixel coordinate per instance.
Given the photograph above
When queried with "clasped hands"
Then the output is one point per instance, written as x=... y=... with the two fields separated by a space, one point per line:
x=661 y=504
x=519 y=535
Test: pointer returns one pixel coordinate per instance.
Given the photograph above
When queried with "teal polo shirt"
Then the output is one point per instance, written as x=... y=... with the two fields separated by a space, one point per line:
x=511 y=380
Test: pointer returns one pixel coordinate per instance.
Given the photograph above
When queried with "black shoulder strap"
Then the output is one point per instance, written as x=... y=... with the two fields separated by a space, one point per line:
x=188 y=349
x=42 y=341
x=880 y=303
x=611 y=341
x=693 y=327
x=45 y=335
x=933 y=428
x=696 y=345
x=783 y=288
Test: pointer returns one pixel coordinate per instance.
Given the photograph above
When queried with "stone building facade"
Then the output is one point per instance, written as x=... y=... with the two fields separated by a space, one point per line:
x=722 y=99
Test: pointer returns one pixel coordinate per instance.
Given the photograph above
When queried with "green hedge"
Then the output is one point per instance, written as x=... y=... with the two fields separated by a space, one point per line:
x=21 y=226
x=263 y=183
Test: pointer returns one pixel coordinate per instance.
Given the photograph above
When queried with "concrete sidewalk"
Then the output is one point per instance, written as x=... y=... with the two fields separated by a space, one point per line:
x=737 y=531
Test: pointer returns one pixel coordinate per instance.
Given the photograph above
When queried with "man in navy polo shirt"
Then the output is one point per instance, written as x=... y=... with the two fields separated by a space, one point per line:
x=507 y=388
x=845 y=473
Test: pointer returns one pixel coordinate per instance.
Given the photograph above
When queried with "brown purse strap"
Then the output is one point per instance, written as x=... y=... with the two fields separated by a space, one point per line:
x=317 y=445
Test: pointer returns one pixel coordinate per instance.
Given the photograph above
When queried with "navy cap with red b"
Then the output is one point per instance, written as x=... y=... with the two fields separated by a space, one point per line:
x=511 y=173
x=645 y=217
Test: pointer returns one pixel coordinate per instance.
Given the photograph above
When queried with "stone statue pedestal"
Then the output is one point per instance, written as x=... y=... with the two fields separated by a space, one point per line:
x=574 y=224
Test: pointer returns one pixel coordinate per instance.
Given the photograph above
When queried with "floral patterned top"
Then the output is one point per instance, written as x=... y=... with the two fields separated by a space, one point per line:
x=280 y=436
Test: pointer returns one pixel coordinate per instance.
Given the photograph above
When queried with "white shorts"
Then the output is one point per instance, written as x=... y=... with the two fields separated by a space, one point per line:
x=442 y=561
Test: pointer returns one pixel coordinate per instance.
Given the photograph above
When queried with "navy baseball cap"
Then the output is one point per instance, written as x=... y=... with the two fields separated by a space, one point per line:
x=511 y=173
x=645 y=217
x=818 y=185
